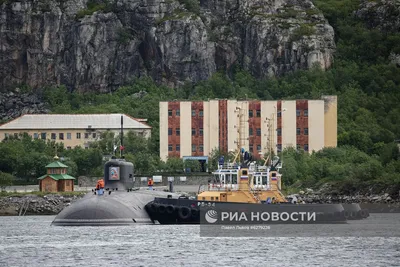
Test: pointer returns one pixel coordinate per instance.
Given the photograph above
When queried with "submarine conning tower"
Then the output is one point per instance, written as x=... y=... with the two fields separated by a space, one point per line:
x=118 y=174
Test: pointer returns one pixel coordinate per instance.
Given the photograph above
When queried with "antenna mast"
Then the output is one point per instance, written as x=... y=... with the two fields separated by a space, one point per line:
x=241 y=132
x=271 y=138
x=122 y=136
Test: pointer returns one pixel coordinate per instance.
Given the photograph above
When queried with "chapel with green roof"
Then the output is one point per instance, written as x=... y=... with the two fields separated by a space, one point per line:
x=56 y=178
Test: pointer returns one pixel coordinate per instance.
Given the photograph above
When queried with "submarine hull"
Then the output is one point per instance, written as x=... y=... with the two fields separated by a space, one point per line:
x=186 y=211
x=117 y=208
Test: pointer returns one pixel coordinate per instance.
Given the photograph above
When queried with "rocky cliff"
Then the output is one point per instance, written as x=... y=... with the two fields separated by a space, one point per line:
x=17 y=103
x=383 y=15
x=98 y=45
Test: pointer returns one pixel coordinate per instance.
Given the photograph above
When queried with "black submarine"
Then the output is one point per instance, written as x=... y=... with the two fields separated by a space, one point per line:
x=115 y=202
x=118 y=203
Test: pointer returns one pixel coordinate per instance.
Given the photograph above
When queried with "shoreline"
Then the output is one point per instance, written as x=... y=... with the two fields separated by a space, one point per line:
x=52 y=204
x=31 y=204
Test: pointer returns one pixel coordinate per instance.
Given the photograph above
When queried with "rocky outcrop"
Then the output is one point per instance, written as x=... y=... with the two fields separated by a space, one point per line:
x=35 y=205
x=381 y=14
x=15 y=104
x=328 y=193
x=98 y=46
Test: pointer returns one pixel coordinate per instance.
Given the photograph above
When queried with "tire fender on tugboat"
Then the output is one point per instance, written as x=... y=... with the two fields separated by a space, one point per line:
x=170 y=209
x=363 y=213
x=153 y=208
x=184 y=213
x=162 y=209
x=194 y=213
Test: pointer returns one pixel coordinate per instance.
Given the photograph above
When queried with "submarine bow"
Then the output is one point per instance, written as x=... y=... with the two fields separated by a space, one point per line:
x=95 y=211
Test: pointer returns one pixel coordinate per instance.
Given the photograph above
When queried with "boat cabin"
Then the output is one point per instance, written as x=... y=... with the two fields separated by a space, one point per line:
x=255 y=184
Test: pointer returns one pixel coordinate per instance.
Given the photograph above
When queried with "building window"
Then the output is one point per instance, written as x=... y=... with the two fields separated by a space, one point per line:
x=279 y=147
x=35 y=135
x=298 y=147
x=258 y=113
x=178 y=112
x=193 y=131
x=201 y=148
x=306 y=113
x=53 y=136
x=297 y=112
x=250 y=113
x=178 y=147
x=43 y=135
x=305 y=131
x=201 y=113
x=6 y=135
x=298 y=131
x=86 y=135
x=193 y=148
x=258 y=131
x=69 y=136
x=68 y=148
x=201 y=131
x=169 y=112
x=16 y=135
x=178 y=131
x=279 y=131
x=193 y=112
x=306 y=147
x=169 y=131
x=61 y=136
x=169 y=147
x=78 y=135
x=94 y=135
x=250 y=131
x=259 y=148
x=251 y=148
x=279 y=114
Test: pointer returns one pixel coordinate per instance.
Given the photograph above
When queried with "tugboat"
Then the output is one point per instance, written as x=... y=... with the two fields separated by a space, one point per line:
x=242 y=185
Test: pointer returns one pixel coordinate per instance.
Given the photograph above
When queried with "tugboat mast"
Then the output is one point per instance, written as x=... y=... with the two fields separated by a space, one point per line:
x=240 y=132
x=121 y=148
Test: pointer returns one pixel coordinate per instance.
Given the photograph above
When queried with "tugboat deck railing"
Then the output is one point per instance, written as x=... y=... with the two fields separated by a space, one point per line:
x=234 y=187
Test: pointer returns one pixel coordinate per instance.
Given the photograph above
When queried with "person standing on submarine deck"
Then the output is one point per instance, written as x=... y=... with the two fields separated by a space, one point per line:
x=150 y=183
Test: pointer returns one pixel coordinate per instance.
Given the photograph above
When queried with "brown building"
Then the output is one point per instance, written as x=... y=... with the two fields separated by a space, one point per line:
x=194 y=129
x=56 y=179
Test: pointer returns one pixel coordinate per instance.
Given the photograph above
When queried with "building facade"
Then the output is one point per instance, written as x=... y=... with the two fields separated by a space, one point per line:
x=72 y=129
x=196 y=128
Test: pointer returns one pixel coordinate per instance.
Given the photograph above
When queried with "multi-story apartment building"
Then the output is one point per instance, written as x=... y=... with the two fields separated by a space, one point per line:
x=72 y=129
x=194 y=129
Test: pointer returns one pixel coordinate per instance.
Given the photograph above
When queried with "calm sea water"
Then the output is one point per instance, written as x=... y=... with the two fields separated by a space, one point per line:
x=31 y=241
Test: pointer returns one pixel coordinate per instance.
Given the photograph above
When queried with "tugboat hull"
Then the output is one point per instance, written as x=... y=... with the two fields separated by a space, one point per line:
x=354 y=212
x=185 y=211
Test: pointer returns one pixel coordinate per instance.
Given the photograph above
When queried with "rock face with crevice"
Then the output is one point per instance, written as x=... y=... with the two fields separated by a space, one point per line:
x=99 y=46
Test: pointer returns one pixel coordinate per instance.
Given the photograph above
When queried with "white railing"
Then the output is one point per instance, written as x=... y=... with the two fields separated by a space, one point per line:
x=260 y=187
x=229 y=166
x=223 y=187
